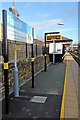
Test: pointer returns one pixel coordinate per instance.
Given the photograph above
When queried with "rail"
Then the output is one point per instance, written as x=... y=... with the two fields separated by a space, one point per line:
x=76 y=57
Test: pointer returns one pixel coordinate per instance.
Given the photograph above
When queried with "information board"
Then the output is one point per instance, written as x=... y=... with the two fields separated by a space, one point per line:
x=17 y=30
x=52 y=37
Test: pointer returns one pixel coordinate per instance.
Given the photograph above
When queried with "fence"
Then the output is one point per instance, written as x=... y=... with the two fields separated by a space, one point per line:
x=21 y=54
x=24 y=64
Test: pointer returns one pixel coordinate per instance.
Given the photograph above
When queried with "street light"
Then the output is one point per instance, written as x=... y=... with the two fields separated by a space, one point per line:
x=61 y=23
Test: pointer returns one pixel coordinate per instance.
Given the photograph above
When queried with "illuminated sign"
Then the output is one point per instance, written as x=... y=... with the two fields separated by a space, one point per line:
x=53 y=37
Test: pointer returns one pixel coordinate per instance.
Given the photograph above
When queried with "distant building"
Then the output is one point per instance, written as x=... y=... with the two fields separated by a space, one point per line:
x=38 y=42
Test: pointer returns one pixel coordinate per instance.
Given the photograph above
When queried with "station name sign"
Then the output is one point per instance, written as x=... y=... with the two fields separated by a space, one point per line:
x=17 y=30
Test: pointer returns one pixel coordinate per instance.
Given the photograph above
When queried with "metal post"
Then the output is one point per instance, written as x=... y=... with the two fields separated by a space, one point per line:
x=16 y=83
x=32 y=61
x=45 y=66
x=36 y=50
x=26 y=50
x=5 y=49
x=53 y=58
x=54 y=49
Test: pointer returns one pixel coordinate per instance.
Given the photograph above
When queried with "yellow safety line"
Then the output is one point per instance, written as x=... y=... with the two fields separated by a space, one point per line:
x=62 y=112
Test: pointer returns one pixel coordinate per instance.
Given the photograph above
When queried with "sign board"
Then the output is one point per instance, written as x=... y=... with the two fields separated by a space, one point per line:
x=55 y=48
x=17 y=47
x=17 y=30
x=52 y=37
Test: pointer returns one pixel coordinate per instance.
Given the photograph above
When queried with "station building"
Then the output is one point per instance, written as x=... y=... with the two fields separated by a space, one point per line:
x=57 y=45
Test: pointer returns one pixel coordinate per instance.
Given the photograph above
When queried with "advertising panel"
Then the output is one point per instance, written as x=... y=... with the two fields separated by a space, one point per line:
x=51 y=48
x=55 y=48
x=59 y=48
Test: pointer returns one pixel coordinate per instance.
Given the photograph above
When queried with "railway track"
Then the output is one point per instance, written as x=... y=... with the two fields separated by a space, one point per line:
x=76 y=57
x=77 y=84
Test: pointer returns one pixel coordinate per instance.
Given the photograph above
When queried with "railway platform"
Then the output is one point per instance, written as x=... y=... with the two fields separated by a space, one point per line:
x=55 y=95
x=42 y=101
x=72 y=88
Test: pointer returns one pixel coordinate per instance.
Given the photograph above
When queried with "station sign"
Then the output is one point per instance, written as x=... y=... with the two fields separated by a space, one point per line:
x=17 y=30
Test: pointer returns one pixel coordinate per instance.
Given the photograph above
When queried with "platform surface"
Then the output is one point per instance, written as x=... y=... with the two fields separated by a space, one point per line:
x=48 y=85
x=72 y=96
